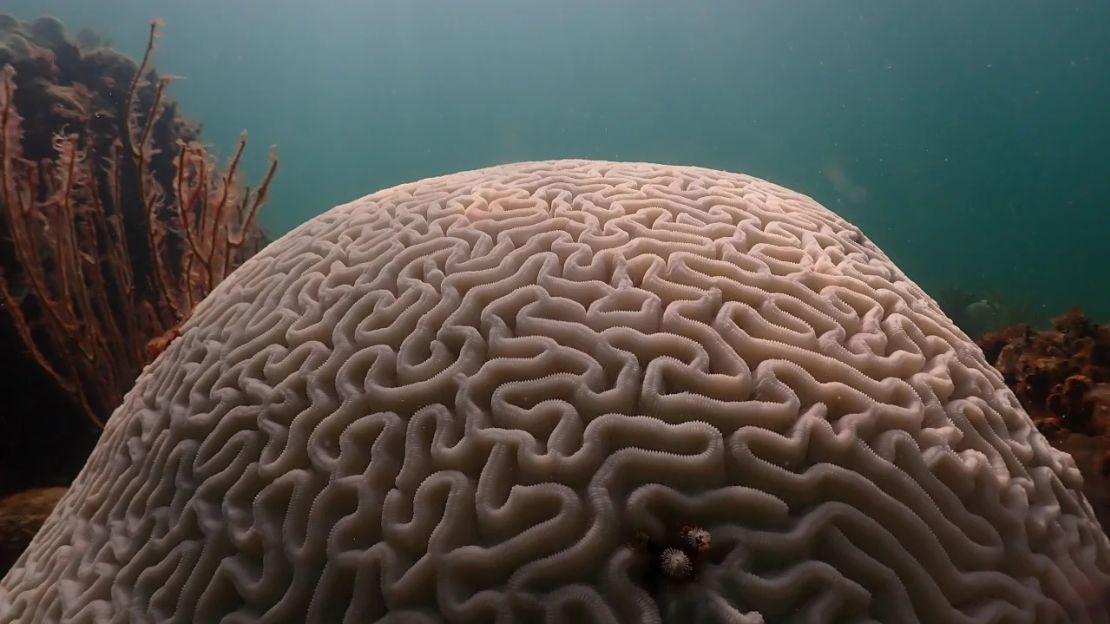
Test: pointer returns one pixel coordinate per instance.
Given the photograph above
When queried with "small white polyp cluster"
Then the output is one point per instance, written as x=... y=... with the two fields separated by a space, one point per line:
x=458 y=400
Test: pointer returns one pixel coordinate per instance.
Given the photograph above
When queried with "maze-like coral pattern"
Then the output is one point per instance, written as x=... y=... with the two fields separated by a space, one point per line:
x=492 y=396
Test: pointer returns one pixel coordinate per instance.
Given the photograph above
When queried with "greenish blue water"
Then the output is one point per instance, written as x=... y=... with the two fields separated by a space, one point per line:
x=968 y=139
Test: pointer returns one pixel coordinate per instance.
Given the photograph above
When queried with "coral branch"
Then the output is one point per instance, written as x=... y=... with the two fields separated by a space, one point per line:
x=106 y=244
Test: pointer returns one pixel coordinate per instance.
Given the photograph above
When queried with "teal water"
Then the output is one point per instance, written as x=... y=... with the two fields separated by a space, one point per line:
x=971 y=141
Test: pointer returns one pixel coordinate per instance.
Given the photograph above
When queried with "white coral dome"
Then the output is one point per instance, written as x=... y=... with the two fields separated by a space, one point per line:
x=499 y=395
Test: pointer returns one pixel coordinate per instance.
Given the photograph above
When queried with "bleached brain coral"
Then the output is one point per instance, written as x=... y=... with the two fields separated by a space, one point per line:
x=570 y=391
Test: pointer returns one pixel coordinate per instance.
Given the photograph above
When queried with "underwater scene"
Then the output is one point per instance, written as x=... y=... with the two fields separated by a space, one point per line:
x=554 y=311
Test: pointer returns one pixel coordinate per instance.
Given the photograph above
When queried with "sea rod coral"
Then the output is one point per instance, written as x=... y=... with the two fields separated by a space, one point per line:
x=570 y=391
x=114 y=221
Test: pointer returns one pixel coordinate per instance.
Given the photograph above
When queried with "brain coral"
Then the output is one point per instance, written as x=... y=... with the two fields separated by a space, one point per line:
x=570 y=391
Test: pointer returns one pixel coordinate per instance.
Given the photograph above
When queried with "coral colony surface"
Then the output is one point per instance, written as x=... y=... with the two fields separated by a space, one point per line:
x=1062 y=378
x=570 y=391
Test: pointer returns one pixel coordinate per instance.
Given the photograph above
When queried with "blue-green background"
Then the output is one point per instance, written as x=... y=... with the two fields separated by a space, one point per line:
x=969 y=139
